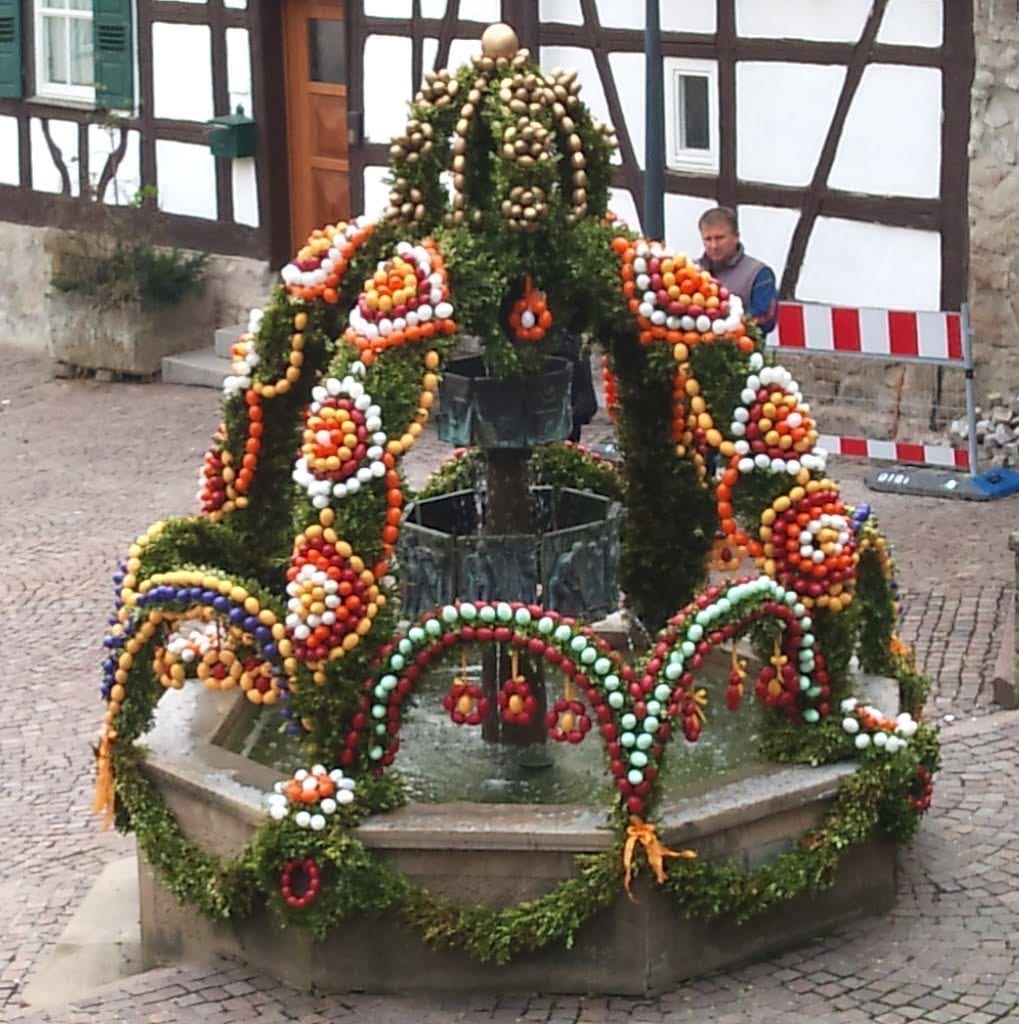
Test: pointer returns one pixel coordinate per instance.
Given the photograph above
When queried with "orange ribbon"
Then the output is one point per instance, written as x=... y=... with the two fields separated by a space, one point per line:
x=104 y=798
x=655 y=851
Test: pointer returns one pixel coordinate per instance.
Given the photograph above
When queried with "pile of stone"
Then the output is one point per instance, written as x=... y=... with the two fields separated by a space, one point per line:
x=997 y=431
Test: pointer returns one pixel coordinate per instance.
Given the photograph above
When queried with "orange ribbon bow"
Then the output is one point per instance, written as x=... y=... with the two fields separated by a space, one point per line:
x=655 y=851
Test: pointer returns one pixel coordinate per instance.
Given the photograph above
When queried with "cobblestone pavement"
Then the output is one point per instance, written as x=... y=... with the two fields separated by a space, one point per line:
x=87 y=466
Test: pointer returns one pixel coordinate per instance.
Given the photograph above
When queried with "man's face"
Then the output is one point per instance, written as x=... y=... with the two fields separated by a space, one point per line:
x=720 y=241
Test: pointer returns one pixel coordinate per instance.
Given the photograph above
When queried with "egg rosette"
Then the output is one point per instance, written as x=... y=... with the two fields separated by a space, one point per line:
x=405 y=300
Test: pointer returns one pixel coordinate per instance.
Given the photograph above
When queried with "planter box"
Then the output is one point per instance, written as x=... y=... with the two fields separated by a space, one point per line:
x=124 y=338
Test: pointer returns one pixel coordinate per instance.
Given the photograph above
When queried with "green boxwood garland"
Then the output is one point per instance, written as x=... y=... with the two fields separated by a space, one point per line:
x=872 y=802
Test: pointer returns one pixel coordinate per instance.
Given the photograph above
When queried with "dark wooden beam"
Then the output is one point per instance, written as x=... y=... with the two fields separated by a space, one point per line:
x=818 y=187
x=956 y=81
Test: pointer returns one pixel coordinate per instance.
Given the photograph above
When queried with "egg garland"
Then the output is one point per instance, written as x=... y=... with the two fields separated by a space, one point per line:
x=331 y=597
x=921 y=793
x=405 y=300
x=585 y=660
x=311 y=796
x=673 y=300
x=693 y=426
x=871 y=728
x=226 y=477
x=244 y=358
x=718 y=616
x=735 y=682
x=183 y=596
x=772 y=428
x=316 y=272
x=610 y=388
x=342 y=442
x=212 y=487
x=808 y=543
x=300 y=882
x=160 y=602
x=539 y=126
x=176 y=660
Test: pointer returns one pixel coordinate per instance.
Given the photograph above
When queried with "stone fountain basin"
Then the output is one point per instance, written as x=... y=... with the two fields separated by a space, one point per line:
x=496 y=854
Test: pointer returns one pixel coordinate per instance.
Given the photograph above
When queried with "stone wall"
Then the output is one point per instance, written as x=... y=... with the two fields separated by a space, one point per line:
x=235 y=286
x=994 y=197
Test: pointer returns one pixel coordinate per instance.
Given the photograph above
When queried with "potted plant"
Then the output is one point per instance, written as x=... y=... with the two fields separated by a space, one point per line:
x=118 y=302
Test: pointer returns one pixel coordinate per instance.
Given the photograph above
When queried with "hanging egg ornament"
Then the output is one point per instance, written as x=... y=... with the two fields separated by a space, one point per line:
x=517 y=703
x=568 y=721
x=529 y=317
x=466 y=703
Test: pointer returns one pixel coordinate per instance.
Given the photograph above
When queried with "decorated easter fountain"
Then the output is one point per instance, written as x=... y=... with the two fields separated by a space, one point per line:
x=287 y=594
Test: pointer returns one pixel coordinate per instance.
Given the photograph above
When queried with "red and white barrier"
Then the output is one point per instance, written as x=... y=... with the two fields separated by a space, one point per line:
x=895 y=451
x=880 y=333
x=939 y=338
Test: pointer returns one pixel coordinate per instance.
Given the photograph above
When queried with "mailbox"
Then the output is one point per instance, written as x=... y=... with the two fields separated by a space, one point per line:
x=232 y=136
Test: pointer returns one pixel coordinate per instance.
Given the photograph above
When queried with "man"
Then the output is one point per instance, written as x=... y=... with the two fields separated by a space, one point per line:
x=725 y=259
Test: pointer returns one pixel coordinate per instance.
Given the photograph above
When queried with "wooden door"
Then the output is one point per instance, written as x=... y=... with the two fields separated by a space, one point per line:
x=315 y=55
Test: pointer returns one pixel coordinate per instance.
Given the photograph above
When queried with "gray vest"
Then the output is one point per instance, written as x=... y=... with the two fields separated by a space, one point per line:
x=736 y=274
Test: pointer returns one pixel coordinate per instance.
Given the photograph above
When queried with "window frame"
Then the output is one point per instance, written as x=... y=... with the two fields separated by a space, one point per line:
x=678 y=157
x=59 y=92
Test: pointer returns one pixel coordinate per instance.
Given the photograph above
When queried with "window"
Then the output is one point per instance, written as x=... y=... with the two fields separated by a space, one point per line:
x=83 y=49
x=691 y=114
x=64 y=50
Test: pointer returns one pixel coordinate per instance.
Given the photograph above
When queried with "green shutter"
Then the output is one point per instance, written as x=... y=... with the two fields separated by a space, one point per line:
x=114 y=54
x=10 y=48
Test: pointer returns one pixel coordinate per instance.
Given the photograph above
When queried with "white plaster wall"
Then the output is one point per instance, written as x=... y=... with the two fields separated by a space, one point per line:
x=855 y=264
x=569 y=57
x=10 y=151
x=488 y=11
x=622 y=205
x=123 y=187
x=673 y=16
x=461 y=51
x=433 y=8
x=687 y=16
x=376 y=191
x=178 y=94
x=912 y=22
x=187 y=179
x=45 y=176
x=566 y=12
x=782 y=116
x=681 y=215
x=429 y=48
x=244 y=176
x=826 y=20
x=238 y=69
x=766 y=231
x=891 y=144
x=628 y=73
x=388 y=8
x=387 y=86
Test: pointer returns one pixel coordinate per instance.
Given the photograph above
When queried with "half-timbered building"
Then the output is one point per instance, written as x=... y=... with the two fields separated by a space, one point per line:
x=838 y=130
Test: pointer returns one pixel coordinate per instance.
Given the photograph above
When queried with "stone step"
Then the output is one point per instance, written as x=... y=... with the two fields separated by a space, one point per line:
x=225 y=338
x=201 y=367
